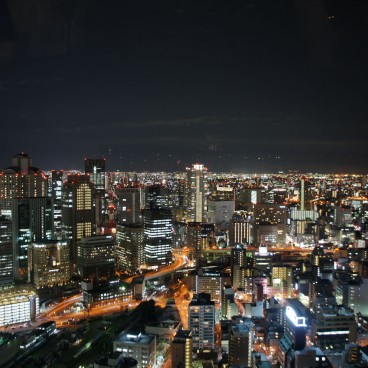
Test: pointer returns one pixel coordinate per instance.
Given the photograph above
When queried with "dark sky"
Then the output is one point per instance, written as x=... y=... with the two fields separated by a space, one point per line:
x=244 y=85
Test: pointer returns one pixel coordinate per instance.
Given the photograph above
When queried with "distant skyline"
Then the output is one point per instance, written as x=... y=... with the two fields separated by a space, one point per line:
x=241 y=86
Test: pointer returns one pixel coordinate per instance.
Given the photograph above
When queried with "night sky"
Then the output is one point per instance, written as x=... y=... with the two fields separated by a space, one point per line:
x=239 y=85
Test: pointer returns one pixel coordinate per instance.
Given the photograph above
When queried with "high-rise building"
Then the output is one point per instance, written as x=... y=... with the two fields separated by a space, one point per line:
x=6 y=252
x=96 y=257
x=282 y=278
x=20 y=180
x=129 y=247
x=193 y=232
x=241 y=229
x=56 y=188
x=78 y=211
x=266 y=214
x=32 y=222
x=195 y=199
x=48 y=264
x=95 y=168
x=201 y=321
x=157 y=240
x=210 y=281
x=240 y=345
x=181 y=350
x=129 y=205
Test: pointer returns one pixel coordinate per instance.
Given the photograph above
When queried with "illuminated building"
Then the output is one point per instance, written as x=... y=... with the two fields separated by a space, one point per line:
x=266 y=217
x=240 y=345
x=210 y=281
x=334 y=326
x=195 y=198
x=20 y=180
x=262 y=259
x=129 y=205
x=138 y=346
x=32 y=222
x=18 y=304
x=95 y=168
x=240 y=229
x=157 y=239
x=96 y=257
x=201 y=321
x=48 y=264
x=6 y=252
x=78 y=211
x=282 y=278
x=241 y=265
x=193 y=232
x=56 y=188
x=181 y=350
x=129 y=247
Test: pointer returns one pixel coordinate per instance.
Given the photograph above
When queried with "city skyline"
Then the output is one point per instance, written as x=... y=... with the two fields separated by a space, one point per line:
x=245 y=87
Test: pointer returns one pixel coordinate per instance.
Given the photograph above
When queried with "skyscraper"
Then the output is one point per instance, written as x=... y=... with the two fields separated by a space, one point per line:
x=78 y=211
x=6 y=252
x=157 y=239
x=96 y=257
x=240 y=345
x=181 y=350
x=32 y=222
x=20 y=180
x=195 y=199
x=95 y=168
x=201 y=320
x=129 y=205
x=56 y=188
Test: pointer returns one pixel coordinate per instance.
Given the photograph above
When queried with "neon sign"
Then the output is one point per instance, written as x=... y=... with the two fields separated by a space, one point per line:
x=297 y=321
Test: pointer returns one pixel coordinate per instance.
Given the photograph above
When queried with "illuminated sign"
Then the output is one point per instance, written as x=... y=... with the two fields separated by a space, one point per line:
x=297 y=321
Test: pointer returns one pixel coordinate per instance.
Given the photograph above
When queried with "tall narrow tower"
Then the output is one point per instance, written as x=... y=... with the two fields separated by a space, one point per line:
x=78 y=211
x=195 y=192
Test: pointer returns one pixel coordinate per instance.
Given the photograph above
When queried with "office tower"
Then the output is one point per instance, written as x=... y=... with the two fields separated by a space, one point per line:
x=20 y=180
x=210 y=281
x=193 y=232
x=157 y=196
x=302 y=193
x=220 y=212
x=181 y=350
x=78 y=212
x=48 y=264
x=240 y=345
x=282 y=278
x=138 y=346
x=241 y=263
x=95 y=168
x=6 y=252
x=129 y=205
x=270 y=224
x=195 y=198
x=96 y=257
x=129 y=248
x=157 y=238
x=241 y=229
x=201 y=321
x=56 y=188
x=32 y=222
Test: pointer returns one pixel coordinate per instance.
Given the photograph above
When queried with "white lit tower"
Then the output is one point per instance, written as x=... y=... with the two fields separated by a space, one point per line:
x=195 y=192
